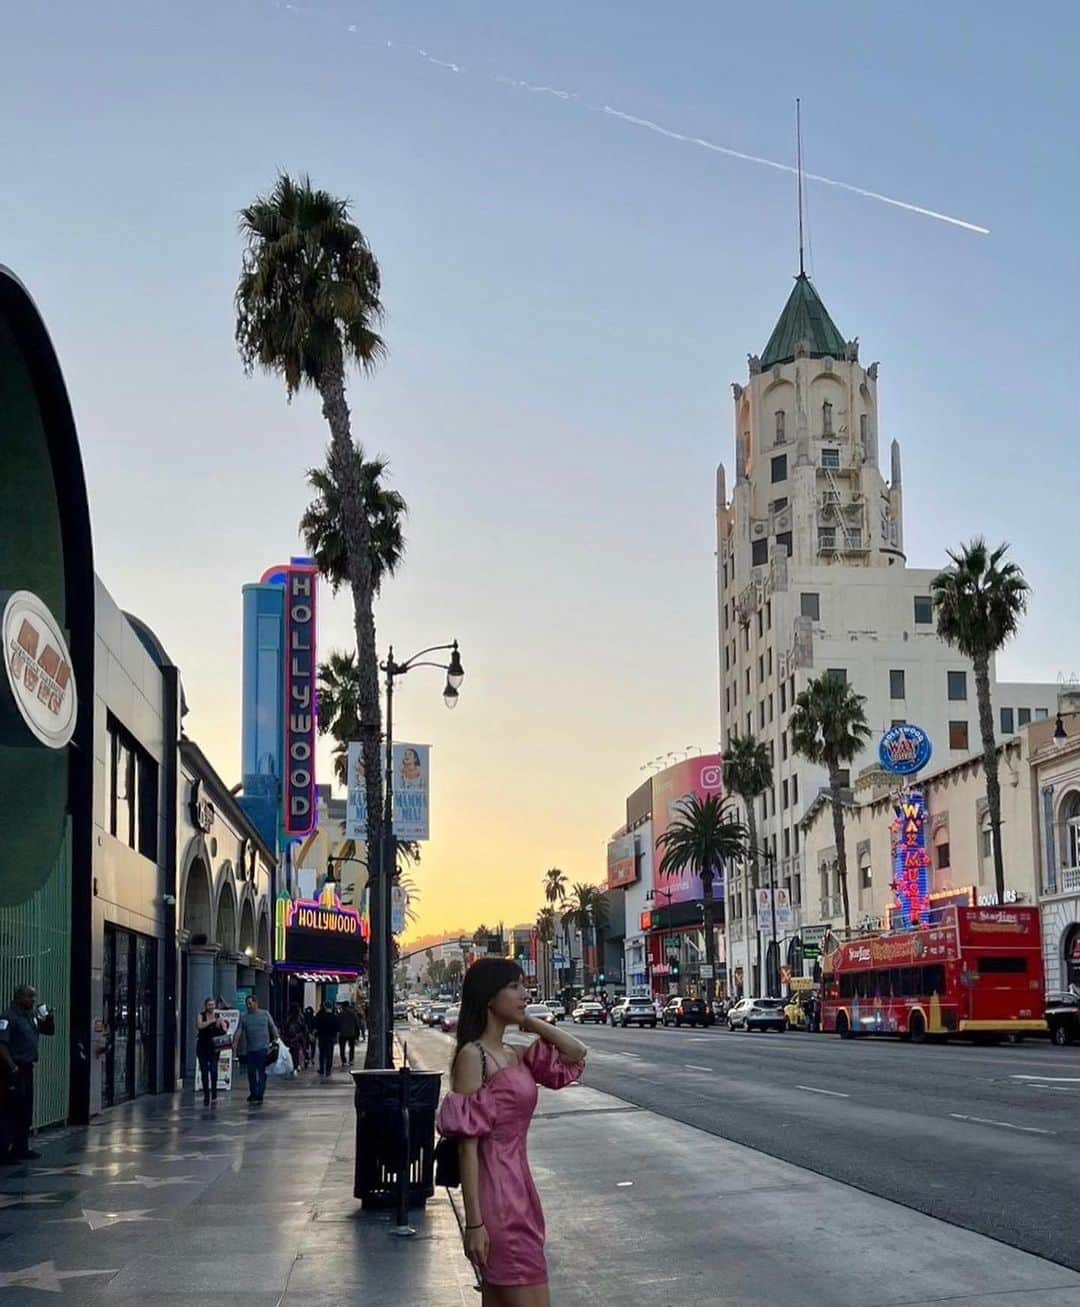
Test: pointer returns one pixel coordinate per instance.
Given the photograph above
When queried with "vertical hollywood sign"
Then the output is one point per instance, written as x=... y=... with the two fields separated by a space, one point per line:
x=300 y=700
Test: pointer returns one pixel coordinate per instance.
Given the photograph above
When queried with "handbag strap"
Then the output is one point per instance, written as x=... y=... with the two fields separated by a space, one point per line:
x=483 y=1063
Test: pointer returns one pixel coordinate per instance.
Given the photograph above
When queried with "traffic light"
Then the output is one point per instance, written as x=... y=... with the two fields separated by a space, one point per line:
x=673 y=965
x=601 y=978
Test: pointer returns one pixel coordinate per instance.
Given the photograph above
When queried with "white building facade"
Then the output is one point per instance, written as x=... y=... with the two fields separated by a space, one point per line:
x=812 y=578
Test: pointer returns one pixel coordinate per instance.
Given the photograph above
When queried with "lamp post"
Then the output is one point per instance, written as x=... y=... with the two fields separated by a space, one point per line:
x=774 y=950
x=382 y=950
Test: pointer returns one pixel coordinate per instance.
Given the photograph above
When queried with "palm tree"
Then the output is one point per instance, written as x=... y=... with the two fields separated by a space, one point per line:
x=748 y=773
x=585 y=908
x=829 y=728
x=555 y=883
x=323 y=521
x=307 y=307
x=702 y=838
x=339 y=707
x=979 y=602
x=545 y=934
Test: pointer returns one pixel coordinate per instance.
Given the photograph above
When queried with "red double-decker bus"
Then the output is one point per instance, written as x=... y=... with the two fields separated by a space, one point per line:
x=970 y=972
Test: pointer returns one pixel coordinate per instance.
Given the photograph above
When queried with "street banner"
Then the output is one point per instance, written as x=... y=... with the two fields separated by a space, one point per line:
x=399 y=901
x=411 y=774
x=785 y=915
x=763 y=899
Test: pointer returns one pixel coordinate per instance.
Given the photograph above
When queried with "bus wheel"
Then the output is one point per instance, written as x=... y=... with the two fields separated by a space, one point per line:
x=843 y=1028
x=917 y=1028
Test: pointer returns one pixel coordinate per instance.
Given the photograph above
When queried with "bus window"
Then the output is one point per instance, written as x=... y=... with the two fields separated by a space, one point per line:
x=933 y=979
x=1002 y=966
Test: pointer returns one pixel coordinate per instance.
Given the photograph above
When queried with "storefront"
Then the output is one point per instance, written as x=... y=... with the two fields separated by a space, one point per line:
x=318 y=942
x=46 y=701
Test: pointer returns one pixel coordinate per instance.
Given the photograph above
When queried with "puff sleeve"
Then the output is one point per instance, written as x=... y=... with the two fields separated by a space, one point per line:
x=548 y=1068
x=466 y=1116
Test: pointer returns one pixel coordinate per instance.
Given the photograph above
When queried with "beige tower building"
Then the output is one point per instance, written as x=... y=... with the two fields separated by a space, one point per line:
x=812 y=577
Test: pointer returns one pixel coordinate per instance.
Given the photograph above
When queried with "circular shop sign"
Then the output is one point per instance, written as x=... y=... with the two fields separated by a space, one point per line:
x=38 y=669
x=904 y=750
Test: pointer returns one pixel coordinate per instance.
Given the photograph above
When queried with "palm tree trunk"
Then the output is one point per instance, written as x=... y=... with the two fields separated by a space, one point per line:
x=345 y=468
x=707 y=905
x=748 y=915
x=841 y=847
x=990 y=767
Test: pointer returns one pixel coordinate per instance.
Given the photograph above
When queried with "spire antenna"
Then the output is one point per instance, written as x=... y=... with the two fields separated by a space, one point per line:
x=799 y=175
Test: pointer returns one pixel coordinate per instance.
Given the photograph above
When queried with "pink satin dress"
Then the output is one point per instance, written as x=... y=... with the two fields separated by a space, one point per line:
x=498 y=1114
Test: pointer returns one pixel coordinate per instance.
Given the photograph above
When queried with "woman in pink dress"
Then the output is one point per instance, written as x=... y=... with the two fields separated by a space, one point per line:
x=494 y=1095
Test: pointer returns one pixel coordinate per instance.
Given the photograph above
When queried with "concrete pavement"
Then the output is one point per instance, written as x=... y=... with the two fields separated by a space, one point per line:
x=162 y=1201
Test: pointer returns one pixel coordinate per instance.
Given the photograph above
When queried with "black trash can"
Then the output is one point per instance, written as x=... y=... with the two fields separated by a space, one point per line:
x=380 y=1142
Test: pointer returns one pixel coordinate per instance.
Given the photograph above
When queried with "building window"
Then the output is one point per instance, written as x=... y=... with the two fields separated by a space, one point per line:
x=957 y=686
x=866 y=875
x=746 y=637
x=942 y=849
x=826 y=419
x=783 y=745
x=749 y=723
x=779 y=468
x=783 y=696
x=864 y=429
x=1008 y=726
x=768 y=662
x=770 y=707
x=133 y=793
x=761 y=716
x=958 y=735
x=761 y=668
x=898 y=721
x=778 y=505
x=787 y=842
x=924 y=610
x=854 y=537
x=1023 y=716
x=780 y=426
x=768 y=615
x=1041 y=714
x=837 y=674
x=795 y=839
x=785 y=798
x=748 y=680
x=760 y=624
x=897 y=688
x=783 y=540
x=826 y=537
x=794 y=790
x=986 y=837
x=830 y=460
x=810 y=606
x=759 y=553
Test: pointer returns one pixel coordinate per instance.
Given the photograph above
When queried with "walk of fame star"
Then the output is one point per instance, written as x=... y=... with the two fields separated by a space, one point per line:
x=26 y=1200
x=103 y=1220
x=43 y=1276
x=82 y=1168
x=155 y=1182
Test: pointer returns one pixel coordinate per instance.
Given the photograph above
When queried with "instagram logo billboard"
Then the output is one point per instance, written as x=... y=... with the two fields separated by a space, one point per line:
x=701 y=776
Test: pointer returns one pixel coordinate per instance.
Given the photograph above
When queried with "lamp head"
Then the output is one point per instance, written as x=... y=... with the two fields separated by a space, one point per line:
x=450 y=695
x=455 y=673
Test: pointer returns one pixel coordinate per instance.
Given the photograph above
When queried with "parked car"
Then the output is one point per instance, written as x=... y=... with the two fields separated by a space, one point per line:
x=589 y=1011
x=684 y=1012
x=766 y=1014
x=1063 y=1017
x=540 y=1011
x=736 y=1015
x=633 y=1011
x=449 y=1019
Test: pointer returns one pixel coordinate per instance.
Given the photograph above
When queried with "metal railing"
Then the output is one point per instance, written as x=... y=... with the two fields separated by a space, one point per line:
x=1070 y=878
x=35 y=949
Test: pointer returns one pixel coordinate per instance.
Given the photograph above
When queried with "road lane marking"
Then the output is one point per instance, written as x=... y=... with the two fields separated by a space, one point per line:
x=1005 y=1125
x=1059 y=1080
x=691 y=1067
x=831 y=1092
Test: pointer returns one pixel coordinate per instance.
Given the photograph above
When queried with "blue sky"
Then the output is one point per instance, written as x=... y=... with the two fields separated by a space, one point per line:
x=570 y=297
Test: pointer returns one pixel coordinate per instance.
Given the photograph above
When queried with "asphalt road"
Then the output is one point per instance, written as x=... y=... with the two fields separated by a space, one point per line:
x=987 y=1138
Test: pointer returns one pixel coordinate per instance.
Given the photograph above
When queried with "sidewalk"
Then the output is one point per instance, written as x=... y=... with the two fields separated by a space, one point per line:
x=167 y=1203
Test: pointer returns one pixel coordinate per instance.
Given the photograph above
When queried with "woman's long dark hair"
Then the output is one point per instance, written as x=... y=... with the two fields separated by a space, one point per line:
x=482 y=982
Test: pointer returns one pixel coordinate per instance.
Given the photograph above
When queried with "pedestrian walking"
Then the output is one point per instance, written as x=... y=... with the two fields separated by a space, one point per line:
x=489 y=1111
x=209 y=1027
x=296 y=1036
x=327 y=1026
x=20 y=1028
x=348 y=1029
x=309 y=1043
x=257 y=1032
x=361 y=1017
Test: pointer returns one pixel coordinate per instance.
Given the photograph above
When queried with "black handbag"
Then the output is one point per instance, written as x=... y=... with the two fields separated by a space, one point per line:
x=447 y=1164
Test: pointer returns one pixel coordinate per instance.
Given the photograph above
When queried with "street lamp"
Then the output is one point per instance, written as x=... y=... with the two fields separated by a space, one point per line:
x=382 y=935
x=1060 y=733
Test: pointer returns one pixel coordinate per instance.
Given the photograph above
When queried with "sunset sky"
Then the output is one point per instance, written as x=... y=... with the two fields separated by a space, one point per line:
x=570 y=294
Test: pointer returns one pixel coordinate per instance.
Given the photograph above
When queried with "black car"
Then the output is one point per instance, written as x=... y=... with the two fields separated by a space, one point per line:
x=1063 y=1017
x=685 y=1012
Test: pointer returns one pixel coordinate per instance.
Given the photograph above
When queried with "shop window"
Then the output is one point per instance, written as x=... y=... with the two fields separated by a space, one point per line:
x=1008 y=722
x=810 y=605
x=957 y=683
x=779 y=468
x=958 y=735
x=924 y=610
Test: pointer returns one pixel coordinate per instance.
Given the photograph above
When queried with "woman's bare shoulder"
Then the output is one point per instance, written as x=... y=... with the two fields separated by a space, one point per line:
x=468 y=1070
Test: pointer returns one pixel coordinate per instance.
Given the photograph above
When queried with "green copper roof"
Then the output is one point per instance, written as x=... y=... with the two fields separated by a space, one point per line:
x=804 y=318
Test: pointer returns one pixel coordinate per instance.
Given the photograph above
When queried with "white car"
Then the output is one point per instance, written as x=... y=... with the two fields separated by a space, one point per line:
x=540 y=1012
x=634 y=1011
x=589 y=1011
x=558 y=1011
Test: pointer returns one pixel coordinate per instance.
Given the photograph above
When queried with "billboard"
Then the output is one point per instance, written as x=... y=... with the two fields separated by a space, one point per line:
x=301 y=671
x=412 y=792
x=701 y=776
x=621 y=862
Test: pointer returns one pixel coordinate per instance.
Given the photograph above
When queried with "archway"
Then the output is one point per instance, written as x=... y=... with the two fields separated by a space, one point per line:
x=262 y=944
x=247 y=927
x=196 y=916
x=225 y=928
x=1071 y=955
x=1069 y=827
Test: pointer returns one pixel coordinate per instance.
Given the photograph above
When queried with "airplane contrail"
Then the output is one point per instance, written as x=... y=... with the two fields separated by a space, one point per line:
x=647 y=124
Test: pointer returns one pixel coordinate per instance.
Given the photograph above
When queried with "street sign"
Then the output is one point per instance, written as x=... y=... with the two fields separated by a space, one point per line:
x=811 y=952
x=813 y=935
x=705 y=971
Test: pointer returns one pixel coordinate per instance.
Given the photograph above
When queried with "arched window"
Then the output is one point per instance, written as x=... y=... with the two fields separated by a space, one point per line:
x=866 y=875
x=780 y=436
x=1070 y=830
x=826 y=419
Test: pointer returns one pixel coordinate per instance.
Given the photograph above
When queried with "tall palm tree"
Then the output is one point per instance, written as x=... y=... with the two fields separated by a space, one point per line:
x=555 y=883
x=545 y=934
x=339 y=706
x=585 y=908
x=322 y=525
x=980 y=601
x=748 y=773
x=703 y=837
x=829 y=728
x=308 y=307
